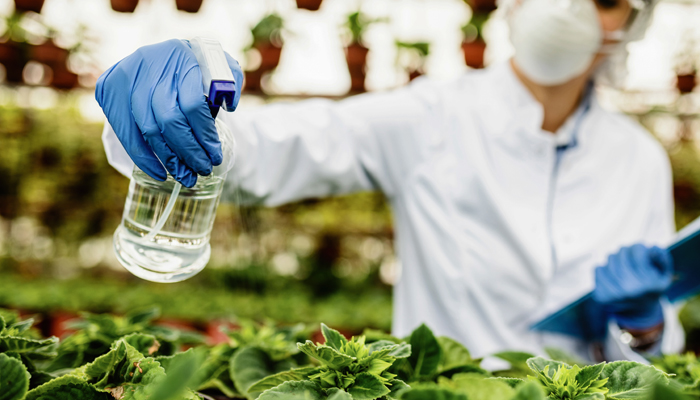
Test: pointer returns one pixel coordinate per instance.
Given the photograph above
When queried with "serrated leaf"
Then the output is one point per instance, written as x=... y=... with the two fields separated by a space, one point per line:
x=538 y=364
x=460 y=369
x=367 y=387
x=14 y=378
x=663 y=392
x=297 y=374
x=453 y=353
x=67 y=387
x=528 y=391
x=142 y=316
x=425 y=351
x=181 y=375
x=333 y=338
x=18 y=344
x=517 y=359
x=512 y=382
x=143 y=343
x=588 y=375
x=431 y=393
x=326 y=355
x=397 y=386
x=296 y=390
x=400 y=350
x=630 y=380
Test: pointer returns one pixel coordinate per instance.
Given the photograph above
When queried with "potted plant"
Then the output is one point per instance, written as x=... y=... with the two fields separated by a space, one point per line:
x=267 y=40
x=125 y=6
x=312 y=5
x=484 y=6
x=29 y=5
x=686 y=67
x=190 y=6
x=412 y=56
x=473 y=44
x=355 y=52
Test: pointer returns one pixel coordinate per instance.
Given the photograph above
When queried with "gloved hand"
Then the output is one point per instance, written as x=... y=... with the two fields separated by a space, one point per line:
x=155 y=102
x=631 y=284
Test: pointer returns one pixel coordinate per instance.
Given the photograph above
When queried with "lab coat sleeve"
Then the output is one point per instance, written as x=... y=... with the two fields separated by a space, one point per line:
x=660 y=231
x=319 y=147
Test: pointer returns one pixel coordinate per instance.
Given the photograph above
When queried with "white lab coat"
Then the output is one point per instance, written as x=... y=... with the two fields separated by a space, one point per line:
x=492 y=232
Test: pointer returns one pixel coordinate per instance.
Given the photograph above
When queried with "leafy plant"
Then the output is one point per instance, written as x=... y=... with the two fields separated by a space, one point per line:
x=268 y=30
x=357 y=23
x=564 y=382
x=472 y=31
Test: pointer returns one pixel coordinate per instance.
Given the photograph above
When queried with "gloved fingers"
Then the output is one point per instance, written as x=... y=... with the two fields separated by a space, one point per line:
x=607 y=286
x=194 y=107
x=174 y=127
x=118 y=112
x=238 y=77
x=145 y=119
x=662 y=260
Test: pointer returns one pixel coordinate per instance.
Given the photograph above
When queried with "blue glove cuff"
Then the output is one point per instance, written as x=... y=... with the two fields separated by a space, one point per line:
x=644 y=317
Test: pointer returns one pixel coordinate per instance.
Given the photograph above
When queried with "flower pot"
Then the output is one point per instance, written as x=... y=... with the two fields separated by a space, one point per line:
x=482 y=5
x=474 y=53
x=64 y=79
x=48 y=53
x=29 y=5
x=125 y=6
x=413 y=74
x=312 y=5
x=356 y=57
x=252 y=80
x=190 y=6
x=270 y=56
x=685 y=82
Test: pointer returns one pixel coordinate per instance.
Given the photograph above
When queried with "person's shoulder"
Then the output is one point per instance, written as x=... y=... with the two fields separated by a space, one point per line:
x=623 y=131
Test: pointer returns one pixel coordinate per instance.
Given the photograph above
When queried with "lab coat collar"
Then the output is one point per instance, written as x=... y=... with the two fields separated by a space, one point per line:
x=527 y=114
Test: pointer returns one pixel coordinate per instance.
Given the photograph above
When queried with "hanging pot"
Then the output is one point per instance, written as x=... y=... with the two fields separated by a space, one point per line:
x=356 y=57
x=29 y=5
x=48 y=53
x=686 y=82
x=63 y=78
x=125 y=6
x=312 y=5
x=474 y=53
x=190 y=6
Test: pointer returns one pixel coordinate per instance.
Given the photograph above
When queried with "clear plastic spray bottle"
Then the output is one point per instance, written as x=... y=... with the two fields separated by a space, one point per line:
x=165 y=229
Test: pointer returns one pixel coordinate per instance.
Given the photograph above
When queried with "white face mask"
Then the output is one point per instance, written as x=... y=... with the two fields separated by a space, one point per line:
x=555 y=40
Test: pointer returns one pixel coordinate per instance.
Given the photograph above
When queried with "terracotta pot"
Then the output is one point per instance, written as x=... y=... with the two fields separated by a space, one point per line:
x=215 y=331
x=414 y=74
x=64 y=79
x=58 y=324
x=270 y=56
x=29 y=5
x=13 y=71
x=190 y=6
x=10 y=51
x=252 y=80
x=474 y=53
x=686 y=82
x=356 y=57
x=48 y=53
x=125 y=6
x=482 y=5
x=312 y=5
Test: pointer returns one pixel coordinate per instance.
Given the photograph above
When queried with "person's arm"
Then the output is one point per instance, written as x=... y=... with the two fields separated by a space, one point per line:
x=317 y=148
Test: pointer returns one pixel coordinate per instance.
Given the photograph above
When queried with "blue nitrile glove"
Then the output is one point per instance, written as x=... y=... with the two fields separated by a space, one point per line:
x=155 y=102
x=631 y=284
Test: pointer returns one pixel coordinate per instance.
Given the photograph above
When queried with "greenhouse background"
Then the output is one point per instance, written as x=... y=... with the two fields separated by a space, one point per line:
x=316 y=260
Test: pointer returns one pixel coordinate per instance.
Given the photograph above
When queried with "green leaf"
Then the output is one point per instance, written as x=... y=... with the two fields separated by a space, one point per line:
x=512 y=382
x=396 y=388
x=2 y=325
x=14 y=378
x=298 y=374
x=67 y=387
x=182 y=372
x=367 y=387
x=373 y=335
x=529 y=391
x=563 y=356
x=326 y=355
x=301 y=390
x=453 y=353
x=140 y=317
x=249 y=365
x=476 y=387
x=630 y=380
x=538 y=364
x=517 y=359
x=662 y=392
x=425 y=351
x=431 y=393
x=333 y=338
x=396 y=350
x=337 y=394
x=468 y=368
x=144 y=344
x=45 y=347
x=588 y=375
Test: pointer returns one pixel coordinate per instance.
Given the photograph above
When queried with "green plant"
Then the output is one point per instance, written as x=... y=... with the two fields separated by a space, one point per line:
x=356 y=25
x=472 y=31
x=268 y=31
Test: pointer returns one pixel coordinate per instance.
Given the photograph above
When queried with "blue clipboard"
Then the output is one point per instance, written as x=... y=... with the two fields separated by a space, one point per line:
x=582 y=318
